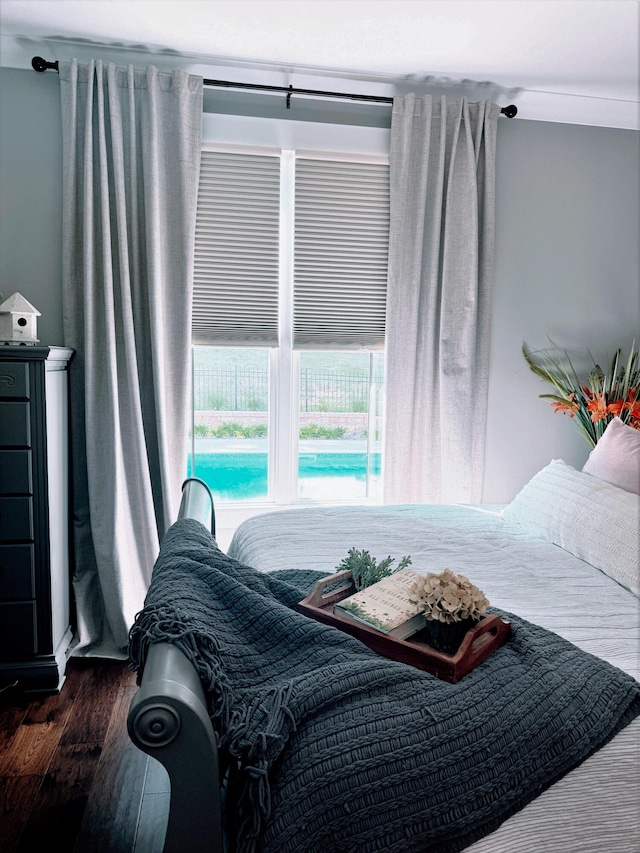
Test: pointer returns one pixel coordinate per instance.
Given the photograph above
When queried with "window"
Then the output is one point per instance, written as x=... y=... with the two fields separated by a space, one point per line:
x=340 y=425
x=288 y=325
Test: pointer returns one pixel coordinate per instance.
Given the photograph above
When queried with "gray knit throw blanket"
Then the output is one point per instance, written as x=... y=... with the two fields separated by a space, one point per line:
x=330 y=747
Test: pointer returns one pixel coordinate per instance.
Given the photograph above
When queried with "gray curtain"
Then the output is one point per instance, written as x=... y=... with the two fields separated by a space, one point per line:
x=131 y=155
x=442 y=169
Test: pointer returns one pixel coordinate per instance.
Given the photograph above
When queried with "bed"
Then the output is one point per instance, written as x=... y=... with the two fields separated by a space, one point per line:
x=280 y=734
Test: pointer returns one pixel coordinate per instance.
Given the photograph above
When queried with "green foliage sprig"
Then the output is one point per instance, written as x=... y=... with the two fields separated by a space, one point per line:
x=366 y=570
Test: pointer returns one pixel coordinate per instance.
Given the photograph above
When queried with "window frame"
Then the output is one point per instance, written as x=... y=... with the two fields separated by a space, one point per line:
x=288 y=139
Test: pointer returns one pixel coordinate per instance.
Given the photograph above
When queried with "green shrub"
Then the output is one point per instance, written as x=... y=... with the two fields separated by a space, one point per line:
x=215 y=403
x=319 y=431
x=256 y=431
x=255 y=403
x=235 y=430
x=360 y=405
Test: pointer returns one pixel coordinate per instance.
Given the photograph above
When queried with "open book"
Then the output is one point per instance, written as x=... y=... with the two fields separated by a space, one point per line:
x=385 y=606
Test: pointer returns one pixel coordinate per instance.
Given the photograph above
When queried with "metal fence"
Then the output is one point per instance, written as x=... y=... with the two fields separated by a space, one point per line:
x=231 y=389
x=322 y=391
x=241 y=389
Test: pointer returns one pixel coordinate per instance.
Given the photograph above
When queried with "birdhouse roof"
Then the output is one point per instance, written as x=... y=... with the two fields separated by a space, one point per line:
x=17 y=304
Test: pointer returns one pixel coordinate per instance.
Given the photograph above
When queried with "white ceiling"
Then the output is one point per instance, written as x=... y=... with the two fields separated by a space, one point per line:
x=578 y=54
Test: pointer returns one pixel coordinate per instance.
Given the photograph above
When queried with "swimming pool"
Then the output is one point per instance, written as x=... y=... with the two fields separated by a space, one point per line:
x=244 y=476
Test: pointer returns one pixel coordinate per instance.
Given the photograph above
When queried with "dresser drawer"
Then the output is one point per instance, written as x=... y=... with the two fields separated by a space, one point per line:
x=15 y=430
x=15 y=472
x=17 y=572
x=18 y=635
x=14 y=380
x=16 y=518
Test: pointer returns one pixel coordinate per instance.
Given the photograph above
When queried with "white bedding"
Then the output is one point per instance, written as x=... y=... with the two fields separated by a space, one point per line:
x=596 y=807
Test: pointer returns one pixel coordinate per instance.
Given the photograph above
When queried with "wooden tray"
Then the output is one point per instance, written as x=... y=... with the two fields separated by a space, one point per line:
x=483 y=639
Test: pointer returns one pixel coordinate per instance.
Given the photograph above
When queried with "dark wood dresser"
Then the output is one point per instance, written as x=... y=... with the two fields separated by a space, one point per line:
x=35 y=593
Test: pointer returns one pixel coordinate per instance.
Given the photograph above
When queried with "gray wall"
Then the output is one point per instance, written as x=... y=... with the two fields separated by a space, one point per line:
x=566 y=257
x=31 y=195
x=566 y=269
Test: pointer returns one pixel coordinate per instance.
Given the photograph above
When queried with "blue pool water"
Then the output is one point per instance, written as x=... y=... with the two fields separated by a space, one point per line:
x=243 y=476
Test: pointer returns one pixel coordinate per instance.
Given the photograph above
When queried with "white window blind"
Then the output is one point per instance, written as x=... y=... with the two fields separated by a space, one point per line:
x=235 y=290
x=340 y=253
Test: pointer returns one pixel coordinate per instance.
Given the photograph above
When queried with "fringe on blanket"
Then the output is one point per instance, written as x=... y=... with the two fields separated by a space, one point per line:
x=248 y=756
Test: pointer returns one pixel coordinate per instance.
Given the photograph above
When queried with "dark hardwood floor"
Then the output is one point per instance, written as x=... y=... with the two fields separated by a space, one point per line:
x=70 y=778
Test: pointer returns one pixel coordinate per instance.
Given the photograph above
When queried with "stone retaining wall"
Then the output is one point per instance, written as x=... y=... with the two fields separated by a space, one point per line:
x=354 y=421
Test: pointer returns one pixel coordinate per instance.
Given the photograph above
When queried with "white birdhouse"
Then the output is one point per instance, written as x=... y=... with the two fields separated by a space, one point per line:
x=18 y=324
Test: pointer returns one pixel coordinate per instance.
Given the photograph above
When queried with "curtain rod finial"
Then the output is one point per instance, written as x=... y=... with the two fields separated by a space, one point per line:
x=40 y=64
x=510 y=112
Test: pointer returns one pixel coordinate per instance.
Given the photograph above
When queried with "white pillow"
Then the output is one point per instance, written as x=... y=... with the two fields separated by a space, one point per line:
x=590 y=518
x=616 y=457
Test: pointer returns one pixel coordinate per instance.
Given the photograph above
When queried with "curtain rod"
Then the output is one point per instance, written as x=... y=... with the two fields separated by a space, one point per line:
x=40 y=64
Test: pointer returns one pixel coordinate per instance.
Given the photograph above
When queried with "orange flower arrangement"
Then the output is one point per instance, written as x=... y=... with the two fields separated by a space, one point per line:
x=605 y=396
